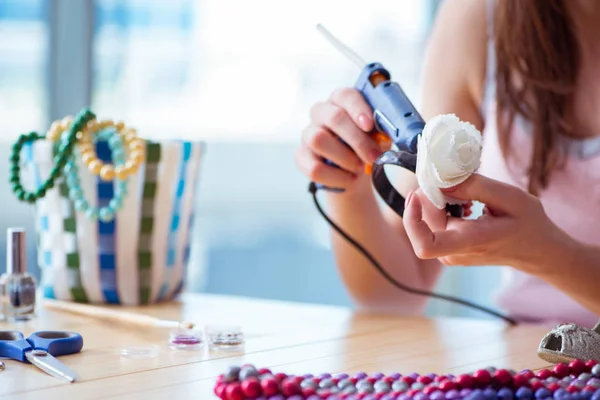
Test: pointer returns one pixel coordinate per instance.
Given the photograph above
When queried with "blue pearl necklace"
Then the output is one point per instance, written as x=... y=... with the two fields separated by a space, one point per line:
x=105 y=214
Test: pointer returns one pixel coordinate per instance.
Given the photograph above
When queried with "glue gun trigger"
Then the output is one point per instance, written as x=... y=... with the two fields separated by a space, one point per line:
x=380 y=138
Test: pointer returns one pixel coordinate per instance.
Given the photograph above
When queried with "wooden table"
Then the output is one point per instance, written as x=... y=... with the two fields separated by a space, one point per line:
x=287 y=337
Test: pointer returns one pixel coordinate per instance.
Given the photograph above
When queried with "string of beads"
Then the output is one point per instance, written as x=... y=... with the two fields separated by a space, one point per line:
x=75 y=138
x=64 y=152
x=577 y=380
x=76 y=194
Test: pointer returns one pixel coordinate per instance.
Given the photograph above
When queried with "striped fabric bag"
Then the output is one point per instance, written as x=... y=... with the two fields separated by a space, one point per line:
x=141 y=256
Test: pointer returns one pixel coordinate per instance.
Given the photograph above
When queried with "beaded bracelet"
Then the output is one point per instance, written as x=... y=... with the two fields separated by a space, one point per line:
x=107 y=213
x=577 y=380
x=135 y=145
x=64 y=152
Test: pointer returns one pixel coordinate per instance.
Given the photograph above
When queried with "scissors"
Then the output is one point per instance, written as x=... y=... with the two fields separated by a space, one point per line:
x=41 y=348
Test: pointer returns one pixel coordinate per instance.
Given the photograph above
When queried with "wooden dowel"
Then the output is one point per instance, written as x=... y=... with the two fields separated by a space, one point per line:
x=114 y=315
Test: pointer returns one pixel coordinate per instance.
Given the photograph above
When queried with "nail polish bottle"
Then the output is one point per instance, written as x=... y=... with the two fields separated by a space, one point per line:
x=17 y=286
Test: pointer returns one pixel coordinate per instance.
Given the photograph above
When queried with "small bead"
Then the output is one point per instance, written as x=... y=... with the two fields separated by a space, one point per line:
x=584 y=376
x=560 y=393
x=40 y=193
x=421 y=396
x=520 y=380
x=137 y=144
x=596 y=370
x=490 y=394
x=247 y=371
x=80 y=205
x=544 y=374
x=131 y=167
x=129 y=137
x=137 y=156
x=234 y=391
x=589 y=364
x=524 y=393
x=30 y=198
x=505 y=394
x=119 y=156
x=91 y=213
x=290 y=387
x=87 y=157
x=595 y=382
x=577 y=367
x=121 y=172
x=465 y=381
x=503 y=376
x=107 y=173
x=349 y=390
x=447 y=385
x=424 y=379
x=115 y=141
x=417 y=386
x=453 y=394
x=326 y=383
x=542 y=393
x=578 y=384
x=482 y=376
x=437 y=395
x=535 y=384
x=596 y=395
x=382 y=387
x=553 y=387
x=400 y=386
x=95 y=166
x=75 y=193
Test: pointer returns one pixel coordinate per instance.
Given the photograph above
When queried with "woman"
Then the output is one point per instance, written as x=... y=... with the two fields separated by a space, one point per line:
x=527 y=75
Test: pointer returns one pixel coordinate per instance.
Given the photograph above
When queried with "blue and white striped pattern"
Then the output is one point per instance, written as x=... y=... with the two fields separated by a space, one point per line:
x=90 y=260
x=107 y=244
x=184 y=230
x=175 y=219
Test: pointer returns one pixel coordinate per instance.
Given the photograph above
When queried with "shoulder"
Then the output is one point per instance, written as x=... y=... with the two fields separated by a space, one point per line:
x=455 y=61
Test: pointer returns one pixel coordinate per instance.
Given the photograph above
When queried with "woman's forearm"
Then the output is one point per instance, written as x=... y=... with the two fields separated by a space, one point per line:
x=358 y=213
x=574 y=268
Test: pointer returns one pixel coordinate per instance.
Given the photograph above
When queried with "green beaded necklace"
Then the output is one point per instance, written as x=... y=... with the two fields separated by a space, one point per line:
x=65 y=151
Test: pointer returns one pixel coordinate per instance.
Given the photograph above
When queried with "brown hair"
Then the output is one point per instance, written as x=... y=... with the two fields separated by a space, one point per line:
x=537 y=56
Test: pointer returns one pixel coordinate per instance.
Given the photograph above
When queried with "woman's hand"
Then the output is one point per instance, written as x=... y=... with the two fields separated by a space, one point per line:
x=513 y=230
x=346 y=116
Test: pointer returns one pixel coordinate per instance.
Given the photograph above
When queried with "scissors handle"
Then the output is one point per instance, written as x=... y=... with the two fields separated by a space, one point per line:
x=57 y=343
x=13 y=345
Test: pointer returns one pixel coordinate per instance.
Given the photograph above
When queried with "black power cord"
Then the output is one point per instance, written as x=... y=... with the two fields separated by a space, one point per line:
x=312 y=188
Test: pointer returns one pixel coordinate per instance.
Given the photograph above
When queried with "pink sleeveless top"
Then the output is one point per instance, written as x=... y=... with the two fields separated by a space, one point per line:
x=571 y=201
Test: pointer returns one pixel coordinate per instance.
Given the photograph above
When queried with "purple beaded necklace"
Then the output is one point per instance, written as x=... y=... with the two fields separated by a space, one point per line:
x=577 y=380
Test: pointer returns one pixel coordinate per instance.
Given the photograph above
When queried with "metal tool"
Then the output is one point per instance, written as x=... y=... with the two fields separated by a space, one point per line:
x=41 y=350
x=396 y=120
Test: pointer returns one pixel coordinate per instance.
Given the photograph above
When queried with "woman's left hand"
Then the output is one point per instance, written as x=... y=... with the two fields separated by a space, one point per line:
x=514 y=230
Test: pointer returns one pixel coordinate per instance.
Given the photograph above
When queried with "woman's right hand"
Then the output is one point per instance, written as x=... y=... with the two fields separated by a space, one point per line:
x=346 y=116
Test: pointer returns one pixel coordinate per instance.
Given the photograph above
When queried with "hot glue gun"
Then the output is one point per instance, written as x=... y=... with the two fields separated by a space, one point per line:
x=396 y=120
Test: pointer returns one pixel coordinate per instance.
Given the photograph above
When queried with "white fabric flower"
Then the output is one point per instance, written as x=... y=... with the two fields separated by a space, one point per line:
x=448 y=152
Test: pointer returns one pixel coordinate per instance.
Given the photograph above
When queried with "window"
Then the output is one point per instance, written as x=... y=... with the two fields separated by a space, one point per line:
x=23 y=62
x=234 y=70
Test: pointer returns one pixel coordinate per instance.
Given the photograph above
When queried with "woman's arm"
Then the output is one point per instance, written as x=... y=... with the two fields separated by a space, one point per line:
x=452 y=77
x=572 y=267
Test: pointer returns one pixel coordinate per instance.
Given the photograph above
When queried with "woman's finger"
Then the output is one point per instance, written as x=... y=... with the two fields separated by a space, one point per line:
x=327 y=145
x=319 y=172
x=338 y=121
x=426 y=243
